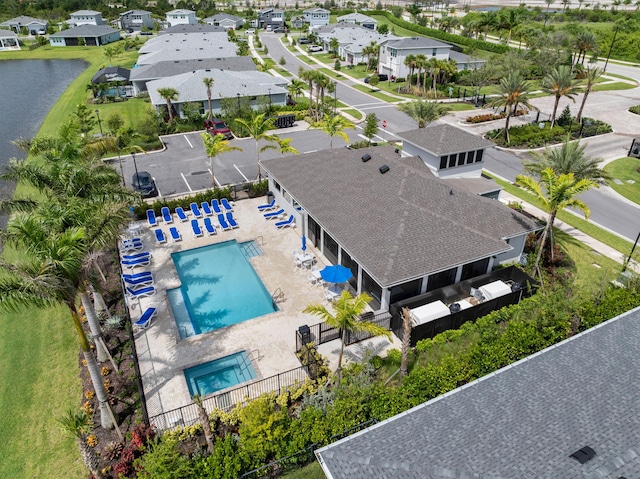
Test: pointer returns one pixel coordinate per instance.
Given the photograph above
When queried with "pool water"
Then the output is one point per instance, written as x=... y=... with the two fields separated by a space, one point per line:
x=219 y=288
x=219 y=374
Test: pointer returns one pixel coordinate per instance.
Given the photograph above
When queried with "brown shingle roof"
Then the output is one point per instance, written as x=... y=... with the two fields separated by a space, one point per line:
x=399 y=225
x=445 y=140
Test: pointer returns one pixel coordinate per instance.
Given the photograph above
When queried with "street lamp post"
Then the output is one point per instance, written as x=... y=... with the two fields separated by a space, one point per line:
x=238 y=96
x=99 y=122
x=335 y=97
x=269 y=100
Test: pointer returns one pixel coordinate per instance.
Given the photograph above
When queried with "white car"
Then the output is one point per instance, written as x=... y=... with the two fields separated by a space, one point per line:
x=251 y=31
x=315 y=48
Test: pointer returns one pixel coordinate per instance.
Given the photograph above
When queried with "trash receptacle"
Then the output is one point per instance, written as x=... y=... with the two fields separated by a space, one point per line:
x=305 y=334
x=269 y=196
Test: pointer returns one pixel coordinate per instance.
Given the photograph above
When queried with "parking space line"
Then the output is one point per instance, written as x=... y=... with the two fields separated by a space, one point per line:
x=186 y=182
x=245 y=178
x=215 y=179
x=311 y=151
x=157 y=189
x=185 y=137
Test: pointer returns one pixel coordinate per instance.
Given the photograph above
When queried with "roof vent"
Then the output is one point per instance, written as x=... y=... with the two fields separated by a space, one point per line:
x=583 y=455
x=366 y=157
x=384 y=169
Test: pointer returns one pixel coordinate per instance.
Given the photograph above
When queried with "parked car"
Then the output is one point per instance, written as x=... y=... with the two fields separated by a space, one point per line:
x=381 y=77
x=280 y=30
x=143 y=183
x=251 y=31
x=217 y=126
x=146 y=33
x=269 y=28
x=315 y=48
x=303 y=41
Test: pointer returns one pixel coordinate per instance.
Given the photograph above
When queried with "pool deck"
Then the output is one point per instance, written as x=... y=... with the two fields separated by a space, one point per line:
x=270 y=339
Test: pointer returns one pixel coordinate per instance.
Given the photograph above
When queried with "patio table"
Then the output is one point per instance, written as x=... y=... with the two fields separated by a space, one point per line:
x=305 y=259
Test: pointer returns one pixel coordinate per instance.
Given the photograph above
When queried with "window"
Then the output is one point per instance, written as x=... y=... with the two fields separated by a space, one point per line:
x=330 y=248
x=277 y=185
x=434 y=52
x=373 y=289
x=470 y=156
x=406 y=290
x=461 y=158
x=443 y=162
x=313 y=231
x=471 y=270
x=347 y=262
x=452 y=160
x=393 y=52
x=439 y=280
x=479 y=154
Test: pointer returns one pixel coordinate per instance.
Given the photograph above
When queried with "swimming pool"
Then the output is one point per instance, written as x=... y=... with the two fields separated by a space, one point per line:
x=219 y=374
x=219 y=288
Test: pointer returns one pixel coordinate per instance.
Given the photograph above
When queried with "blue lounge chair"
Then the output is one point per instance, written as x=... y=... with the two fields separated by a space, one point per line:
x=209 y=227
x=142 y=274
x=141 y=254
x=131 y=245
x=175 y=234
x=223 y=223
x=206 y=208
x=142 y=292
x=195 y=210
x=197 y=231
x=181 y=214
x=274 y=214
x=135 y=283
x=226 y=205
x=145 y=319
x=166 y=215
x=160 y=237
x=231 y=220
x=132 y=263
x=151 y=218
x=268 y=206
x=216 y=206
x=284 y=224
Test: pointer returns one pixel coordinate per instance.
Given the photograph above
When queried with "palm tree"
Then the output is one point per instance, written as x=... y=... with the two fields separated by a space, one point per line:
x=169 y=95
x=334 y=126
x=208 y=82
x=295 y=88
x=570 y=157
x=333 y=46
x=257 y=128
x=560 y=82
x=347 y=318
x=308 y=76
x=410 y=63
x=79 y=425
x=548 y=2
x=284 y=145
x=421 y=62
x=585 y=41
x=370 y=51
x=216 y=145
x=556 y=192
x=508 y=20
x=406 y=341
x=592 y=74
x=512 y=91
x=422 y=111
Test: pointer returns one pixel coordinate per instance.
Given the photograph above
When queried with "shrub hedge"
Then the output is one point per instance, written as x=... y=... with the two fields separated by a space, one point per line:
x=531 y=136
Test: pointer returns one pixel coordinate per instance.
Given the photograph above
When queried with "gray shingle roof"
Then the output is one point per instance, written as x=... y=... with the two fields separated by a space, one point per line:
x=8 y=34
x=416 y=42
x=22 y=20
x=445 y=140
x=200 y=27
x=84 y=31
x=180 y=11
x=85 y=13
x=356 y=17
x=316 y=10
x=222 y=16
x=522 y=422
x=170 y=68
x=187 y=46
x=476 y=186
x=400 y=225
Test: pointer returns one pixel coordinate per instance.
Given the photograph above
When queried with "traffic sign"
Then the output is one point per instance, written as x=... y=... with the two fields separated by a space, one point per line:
x=384 y=123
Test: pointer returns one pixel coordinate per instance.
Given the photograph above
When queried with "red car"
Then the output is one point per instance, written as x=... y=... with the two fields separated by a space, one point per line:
x=217 y=126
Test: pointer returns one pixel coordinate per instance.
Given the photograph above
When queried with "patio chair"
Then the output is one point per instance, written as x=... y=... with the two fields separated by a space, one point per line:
x=216 y=206
x=142 y=274
x=206 y=208
x=141 y=254
x=136 y=283
x=268 y=206
x=223 y=223
x=145 y=319
x=329 y=296
x=130 y=245
x=175 y=234
x=274 y=214
x=226 y=205
x=132 y=263
x=208 y=226
x=142 y=292
x=288 y=222
x=181 y=214
x=151 y=218
x=195 y=210
x=167 y=217
x=231 y=220
x=160 y=237
x=195 y=227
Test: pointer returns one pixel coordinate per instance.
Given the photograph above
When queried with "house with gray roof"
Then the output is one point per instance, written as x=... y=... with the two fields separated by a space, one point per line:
x=142 y=74
x=9 y=40
x=135 y=20
x=33 y=25
x=270 y=16
x=351 y=39
x=225 y=20
x=359 y=19
x=91 y=35
x=86 y=17
x=316 y=17
x=569 y=411
x=256 y=87
x=186 y=46
x=404 y=226
x=181 y=17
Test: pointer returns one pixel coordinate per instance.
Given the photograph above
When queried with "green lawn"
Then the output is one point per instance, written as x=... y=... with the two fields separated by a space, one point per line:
x=377 y=94
x=625 y=169
x=399 y=31
x=613 y=86
x=354 y=113
x=311 y=471
x=134 y=111
x=306 y=59
x=324 y=58
x=459 y=106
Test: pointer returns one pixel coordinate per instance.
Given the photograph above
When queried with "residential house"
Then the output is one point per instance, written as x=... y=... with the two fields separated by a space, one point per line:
x=359 y=19
x=349 y=35
x=394 y=53
x=226 y=21
x=316 y=17
x=298 y=22
x=270 y=16
x=567 y=411
x=181 y=17
x=186 y=46
x=112 y=81
x=9 y=40
x=145 y=73
x=90 y=35
x=33 y=25
x=408 y=232
x=257 y=87
x=86 y=17
x=135 y=20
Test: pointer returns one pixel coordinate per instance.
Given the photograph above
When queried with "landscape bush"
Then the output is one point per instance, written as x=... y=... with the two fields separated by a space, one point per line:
x=635 y=109
x=532 y=136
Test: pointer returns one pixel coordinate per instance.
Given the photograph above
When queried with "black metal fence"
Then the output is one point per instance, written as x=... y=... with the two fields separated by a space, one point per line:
x=227 y=400
x=300 y=458
x=321 y=333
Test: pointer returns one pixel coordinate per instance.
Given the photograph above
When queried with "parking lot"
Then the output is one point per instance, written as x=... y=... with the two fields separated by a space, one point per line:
x=183 y=166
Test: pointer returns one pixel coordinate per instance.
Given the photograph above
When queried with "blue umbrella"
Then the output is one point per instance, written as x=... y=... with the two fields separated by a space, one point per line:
x=304 y=243
x=335 y=274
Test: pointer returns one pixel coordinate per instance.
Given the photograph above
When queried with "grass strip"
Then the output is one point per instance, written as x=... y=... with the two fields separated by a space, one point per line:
x=354 y=113
x=625 y=170
x=613 y=86
x=377 y=94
